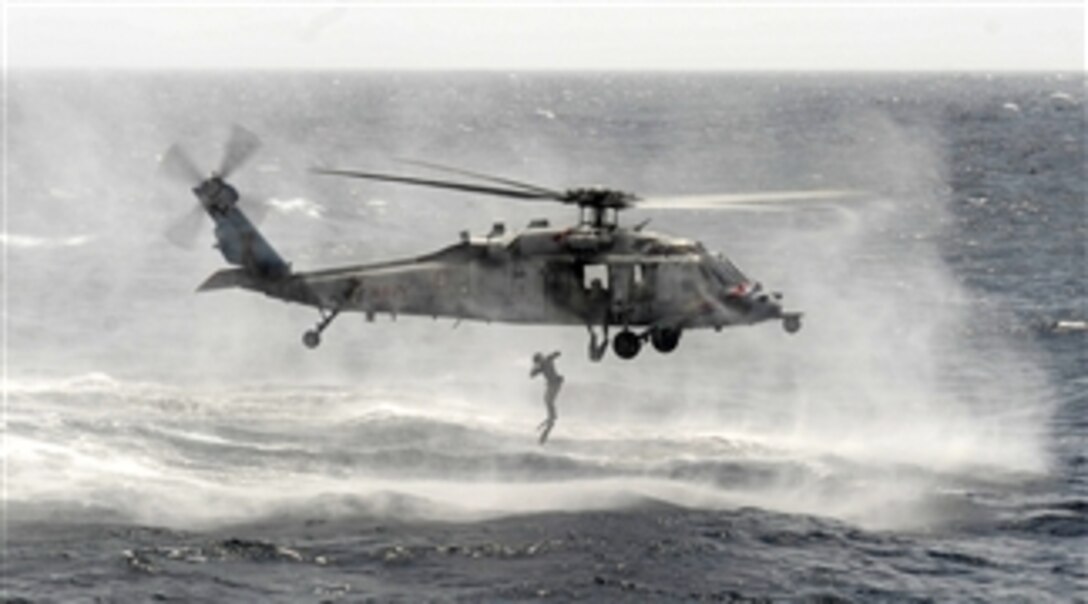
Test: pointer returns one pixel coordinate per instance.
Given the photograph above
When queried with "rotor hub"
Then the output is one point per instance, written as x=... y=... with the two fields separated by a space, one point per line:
x=600 y=197
x=216 y=194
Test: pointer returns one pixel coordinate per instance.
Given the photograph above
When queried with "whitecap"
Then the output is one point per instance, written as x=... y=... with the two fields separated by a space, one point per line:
x=1063 y=99
x=298 y=205
x=12 y=240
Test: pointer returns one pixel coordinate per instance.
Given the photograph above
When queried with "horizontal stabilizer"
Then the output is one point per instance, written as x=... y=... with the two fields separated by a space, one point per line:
x=225 y=279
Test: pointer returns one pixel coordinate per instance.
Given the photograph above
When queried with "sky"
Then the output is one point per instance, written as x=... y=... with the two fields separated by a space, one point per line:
x=798 y=36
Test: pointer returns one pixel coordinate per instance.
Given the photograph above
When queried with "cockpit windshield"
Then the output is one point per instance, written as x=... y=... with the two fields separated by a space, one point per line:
x=724 y=271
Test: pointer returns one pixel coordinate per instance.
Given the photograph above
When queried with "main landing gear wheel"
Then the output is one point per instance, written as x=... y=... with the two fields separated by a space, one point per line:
x=311 y=338
x=626 y=345
x=792 y=324
x=665 y=340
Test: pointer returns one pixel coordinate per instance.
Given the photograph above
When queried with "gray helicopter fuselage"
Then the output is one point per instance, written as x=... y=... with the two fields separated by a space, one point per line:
x=544 y=275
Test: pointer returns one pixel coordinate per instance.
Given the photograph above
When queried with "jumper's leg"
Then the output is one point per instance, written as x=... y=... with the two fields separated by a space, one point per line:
x=597 y=348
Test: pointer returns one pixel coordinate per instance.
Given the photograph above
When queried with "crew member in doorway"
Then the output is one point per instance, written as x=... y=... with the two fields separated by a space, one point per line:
x=546 y=365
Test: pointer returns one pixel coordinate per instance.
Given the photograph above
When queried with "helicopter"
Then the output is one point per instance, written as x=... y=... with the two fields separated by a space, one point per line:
x=595 y=273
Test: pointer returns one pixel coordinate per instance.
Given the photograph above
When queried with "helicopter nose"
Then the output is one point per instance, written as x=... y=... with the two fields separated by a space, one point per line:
x=765 y=304
x=769 y=305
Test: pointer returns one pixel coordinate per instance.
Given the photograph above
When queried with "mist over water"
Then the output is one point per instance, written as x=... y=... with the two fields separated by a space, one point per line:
x=916 y=397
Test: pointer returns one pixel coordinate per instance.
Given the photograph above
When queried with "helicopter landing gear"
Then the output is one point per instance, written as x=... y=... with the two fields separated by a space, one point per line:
x=627 y=344
x=665 y=340
x=597 y=350
x=312 y=338
x=791 y=323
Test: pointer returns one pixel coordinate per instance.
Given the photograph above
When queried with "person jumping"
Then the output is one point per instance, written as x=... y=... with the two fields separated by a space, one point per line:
x=546 y=365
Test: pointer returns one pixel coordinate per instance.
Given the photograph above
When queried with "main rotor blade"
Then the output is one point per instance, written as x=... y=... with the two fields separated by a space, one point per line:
x=481 y=176
x=241 y=146
x=178 y=166
x=741 y=200
x=183 y=231
x=440 y=184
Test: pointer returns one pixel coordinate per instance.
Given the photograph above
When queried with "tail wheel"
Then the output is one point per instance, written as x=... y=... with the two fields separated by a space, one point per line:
x=665 y=340
x=626 y=345
x=311 y=338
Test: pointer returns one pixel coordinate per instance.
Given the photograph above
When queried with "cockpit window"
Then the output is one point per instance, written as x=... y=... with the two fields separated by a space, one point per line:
x=724 y=270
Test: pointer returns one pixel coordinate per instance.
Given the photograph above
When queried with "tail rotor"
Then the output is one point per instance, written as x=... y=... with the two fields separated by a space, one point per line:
x=213 y=192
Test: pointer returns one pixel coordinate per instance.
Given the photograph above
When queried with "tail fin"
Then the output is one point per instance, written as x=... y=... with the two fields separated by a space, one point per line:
x=227 y=278
x=237 y=239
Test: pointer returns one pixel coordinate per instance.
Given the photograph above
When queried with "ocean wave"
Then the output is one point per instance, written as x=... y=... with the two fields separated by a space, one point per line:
x=89 y=437
x=15 y=241
x=298 y=205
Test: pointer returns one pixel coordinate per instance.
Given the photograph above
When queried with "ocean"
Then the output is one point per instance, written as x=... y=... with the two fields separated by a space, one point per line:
x=923 y=438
